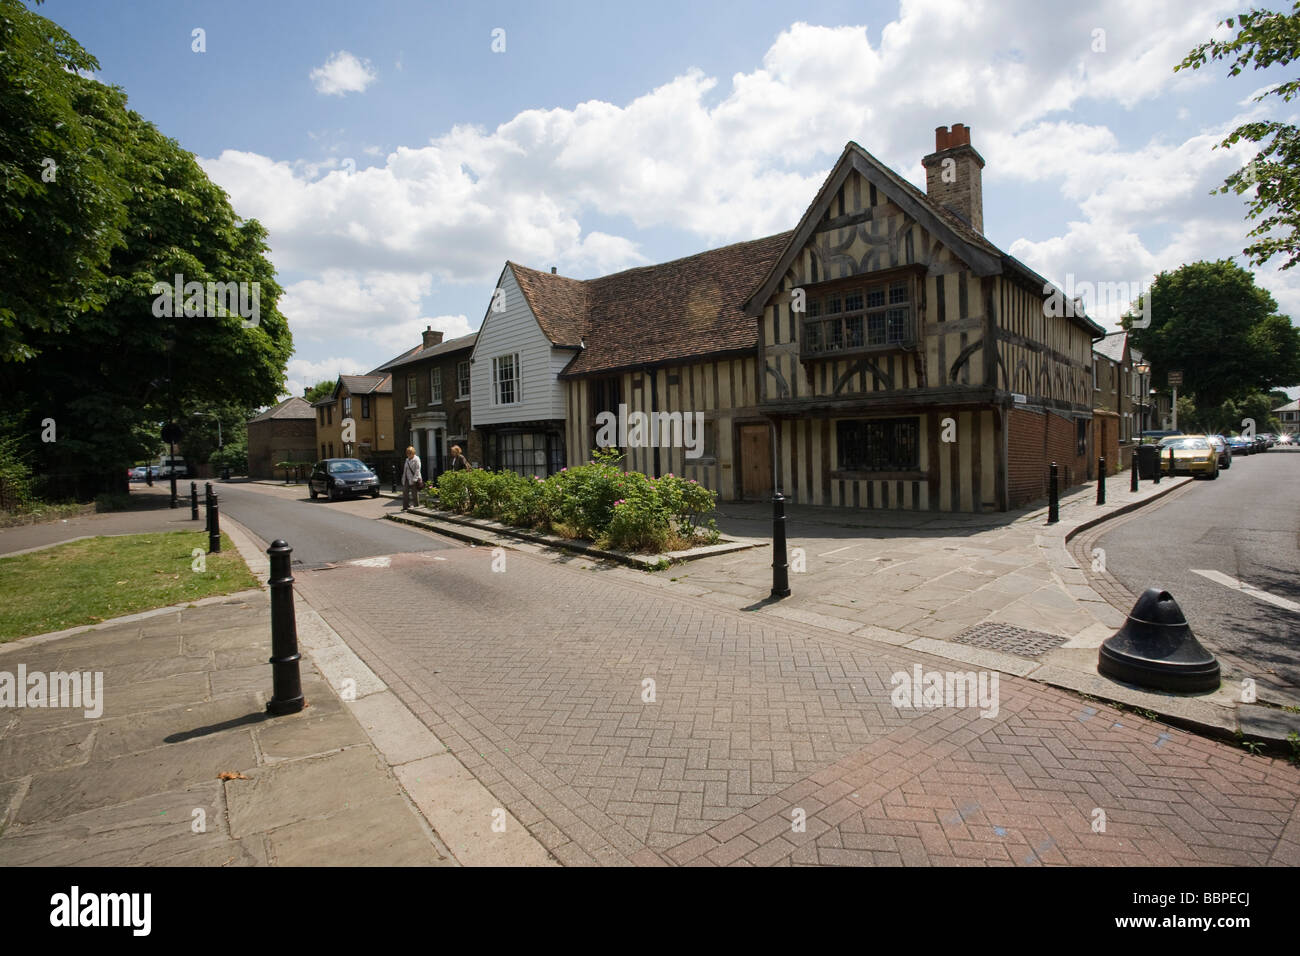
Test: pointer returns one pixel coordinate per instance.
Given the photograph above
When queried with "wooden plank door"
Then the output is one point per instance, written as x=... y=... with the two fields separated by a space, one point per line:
x=755 y=461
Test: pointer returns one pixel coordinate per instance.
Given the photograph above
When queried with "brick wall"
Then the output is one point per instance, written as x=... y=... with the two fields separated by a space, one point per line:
x=1034 y=440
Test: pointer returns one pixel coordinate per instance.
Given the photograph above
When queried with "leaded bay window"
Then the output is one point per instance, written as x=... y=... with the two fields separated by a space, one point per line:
x=870 y=317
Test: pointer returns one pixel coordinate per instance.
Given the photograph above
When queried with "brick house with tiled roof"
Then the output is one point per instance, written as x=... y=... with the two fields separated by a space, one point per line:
x=898 y=358
x=367 y=401
x=431 y=401
x=285 y=432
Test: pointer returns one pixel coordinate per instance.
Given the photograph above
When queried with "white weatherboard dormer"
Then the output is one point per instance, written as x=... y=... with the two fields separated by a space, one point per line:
x=514 y=365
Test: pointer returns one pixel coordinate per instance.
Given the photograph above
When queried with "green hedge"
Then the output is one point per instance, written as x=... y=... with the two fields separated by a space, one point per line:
x=623 y=510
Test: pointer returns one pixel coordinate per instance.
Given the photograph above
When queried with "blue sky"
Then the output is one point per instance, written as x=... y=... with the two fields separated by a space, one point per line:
x=398 y=161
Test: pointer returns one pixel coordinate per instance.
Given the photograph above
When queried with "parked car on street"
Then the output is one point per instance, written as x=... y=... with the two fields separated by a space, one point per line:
x=1192 y=455
x=138 y=473
x=166 y=465
x=339 y=477
x=1155 y=437
x=1221 y=446
x=1238 y=445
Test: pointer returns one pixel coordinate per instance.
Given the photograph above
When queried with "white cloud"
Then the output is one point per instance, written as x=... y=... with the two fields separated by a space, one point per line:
x=735 y=158
x=343 y=73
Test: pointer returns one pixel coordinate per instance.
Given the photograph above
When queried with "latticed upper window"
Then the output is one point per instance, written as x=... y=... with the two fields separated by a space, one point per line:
x=872 y=317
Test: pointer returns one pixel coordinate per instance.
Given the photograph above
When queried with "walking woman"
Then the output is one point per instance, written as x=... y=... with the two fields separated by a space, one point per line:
x=458 y=462
x=412 y=481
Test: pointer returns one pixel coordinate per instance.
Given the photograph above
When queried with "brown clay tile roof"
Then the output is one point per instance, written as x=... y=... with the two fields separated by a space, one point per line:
x=560 y=303
x=290 y=408
x=442 y=348
x=674 y=311
x=365 y=384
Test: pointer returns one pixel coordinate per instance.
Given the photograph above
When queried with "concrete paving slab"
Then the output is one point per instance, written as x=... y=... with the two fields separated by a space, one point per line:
x=304 y=734
x=1267 y=723
x=286 y=793
x=98 y=783
x=463 y=813
x=398 y=734
x=153 y=830
x=385 y=832
x=198 y=720
x=65 y=746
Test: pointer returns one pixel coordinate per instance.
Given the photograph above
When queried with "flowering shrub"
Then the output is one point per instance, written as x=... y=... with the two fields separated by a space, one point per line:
x=617 y=509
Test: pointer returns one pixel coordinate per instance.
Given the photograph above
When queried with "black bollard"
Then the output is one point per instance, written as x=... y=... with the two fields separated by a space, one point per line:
x=148 y=477
x=1053 y=500
x=1101 y=481
x=780 y=570
x=194 y=501
x=286 y=682
x=207 y=505
x=394 y=478
x=214 y=527
x=1133 y=476
x=1171 y=461
x=173 y=501
x=1157 y=478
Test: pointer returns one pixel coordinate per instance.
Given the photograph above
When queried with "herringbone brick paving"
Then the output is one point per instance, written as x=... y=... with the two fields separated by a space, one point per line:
x=534 y=680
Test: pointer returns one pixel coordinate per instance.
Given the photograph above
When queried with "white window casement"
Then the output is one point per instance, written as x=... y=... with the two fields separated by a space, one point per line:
x=505 y=379
x=435 y=386
x=410 y=391
x=347 y=407
x=462 y=381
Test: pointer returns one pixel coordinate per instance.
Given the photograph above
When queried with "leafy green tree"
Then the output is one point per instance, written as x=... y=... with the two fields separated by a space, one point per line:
x=1264 y=38
x=320 y=390
x=62 y=195
x=122 y=368
x=1211 y=321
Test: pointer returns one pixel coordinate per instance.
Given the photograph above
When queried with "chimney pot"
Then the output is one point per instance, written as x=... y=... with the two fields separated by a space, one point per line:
x=552 y=270
x=940 y=138
x=431 y=338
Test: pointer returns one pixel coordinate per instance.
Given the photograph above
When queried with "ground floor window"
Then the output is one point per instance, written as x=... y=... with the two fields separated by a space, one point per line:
x=527 y=452
x=1081 y=436
x=881 y=444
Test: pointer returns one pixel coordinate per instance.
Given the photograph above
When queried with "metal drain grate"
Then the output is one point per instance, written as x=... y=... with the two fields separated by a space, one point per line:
x=1009 y=639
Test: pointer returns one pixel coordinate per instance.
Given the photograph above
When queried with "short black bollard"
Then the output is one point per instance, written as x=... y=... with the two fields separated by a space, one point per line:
x=1157 y=478
x=1053 y=500
x=286 y=682
x=214 y=528
x=780 y=570
x=1133 y=477
x=1101 y=481
x=148 y=477
x=173 y=501
x=194 y=501
x=1171 y=461
x=394 y=479
x=207 y=505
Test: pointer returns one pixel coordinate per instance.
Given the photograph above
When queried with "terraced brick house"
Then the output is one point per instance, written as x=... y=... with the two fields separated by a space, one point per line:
x=883 y=354
x=368 y=401
x=431 y=390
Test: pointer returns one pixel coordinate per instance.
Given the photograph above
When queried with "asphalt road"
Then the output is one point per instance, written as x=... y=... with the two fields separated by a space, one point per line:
x=323 y=532
x=1246 y=525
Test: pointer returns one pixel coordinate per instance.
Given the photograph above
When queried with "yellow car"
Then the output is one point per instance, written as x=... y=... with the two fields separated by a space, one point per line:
x=1192 y=455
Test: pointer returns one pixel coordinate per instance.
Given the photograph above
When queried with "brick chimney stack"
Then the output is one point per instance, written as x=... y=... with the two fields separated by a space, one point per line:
x=952 y=175
x=431 y=338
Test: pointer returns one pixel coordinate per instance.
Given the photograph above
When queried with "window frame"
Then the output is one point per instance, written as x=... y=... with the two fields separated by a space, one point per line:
x=463 y=396
x=891 y=464
x=819 y=296
x=435 y=385
x=515 y=380
x=365 y=406
x=412 y=391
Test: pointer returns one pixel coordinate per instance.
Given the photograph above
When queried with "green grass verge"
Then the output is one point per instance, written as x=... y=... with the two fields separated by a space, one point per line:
x=88 y=581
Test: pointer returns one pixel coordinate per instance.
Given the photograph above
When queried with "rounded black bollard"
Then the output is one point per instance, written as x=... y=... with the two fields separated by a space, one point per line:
x=780 y=569
x=1171 y=461
x=173 y=501
x=1101 y=481
x=194 y=501
x=1156 y=648
x=1133 y=477
x=214 y=527
x=1157 y=475
x=286 y=682
x=148 y=477
x=207 y=505
x=1053 y=497
x=394 y=478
